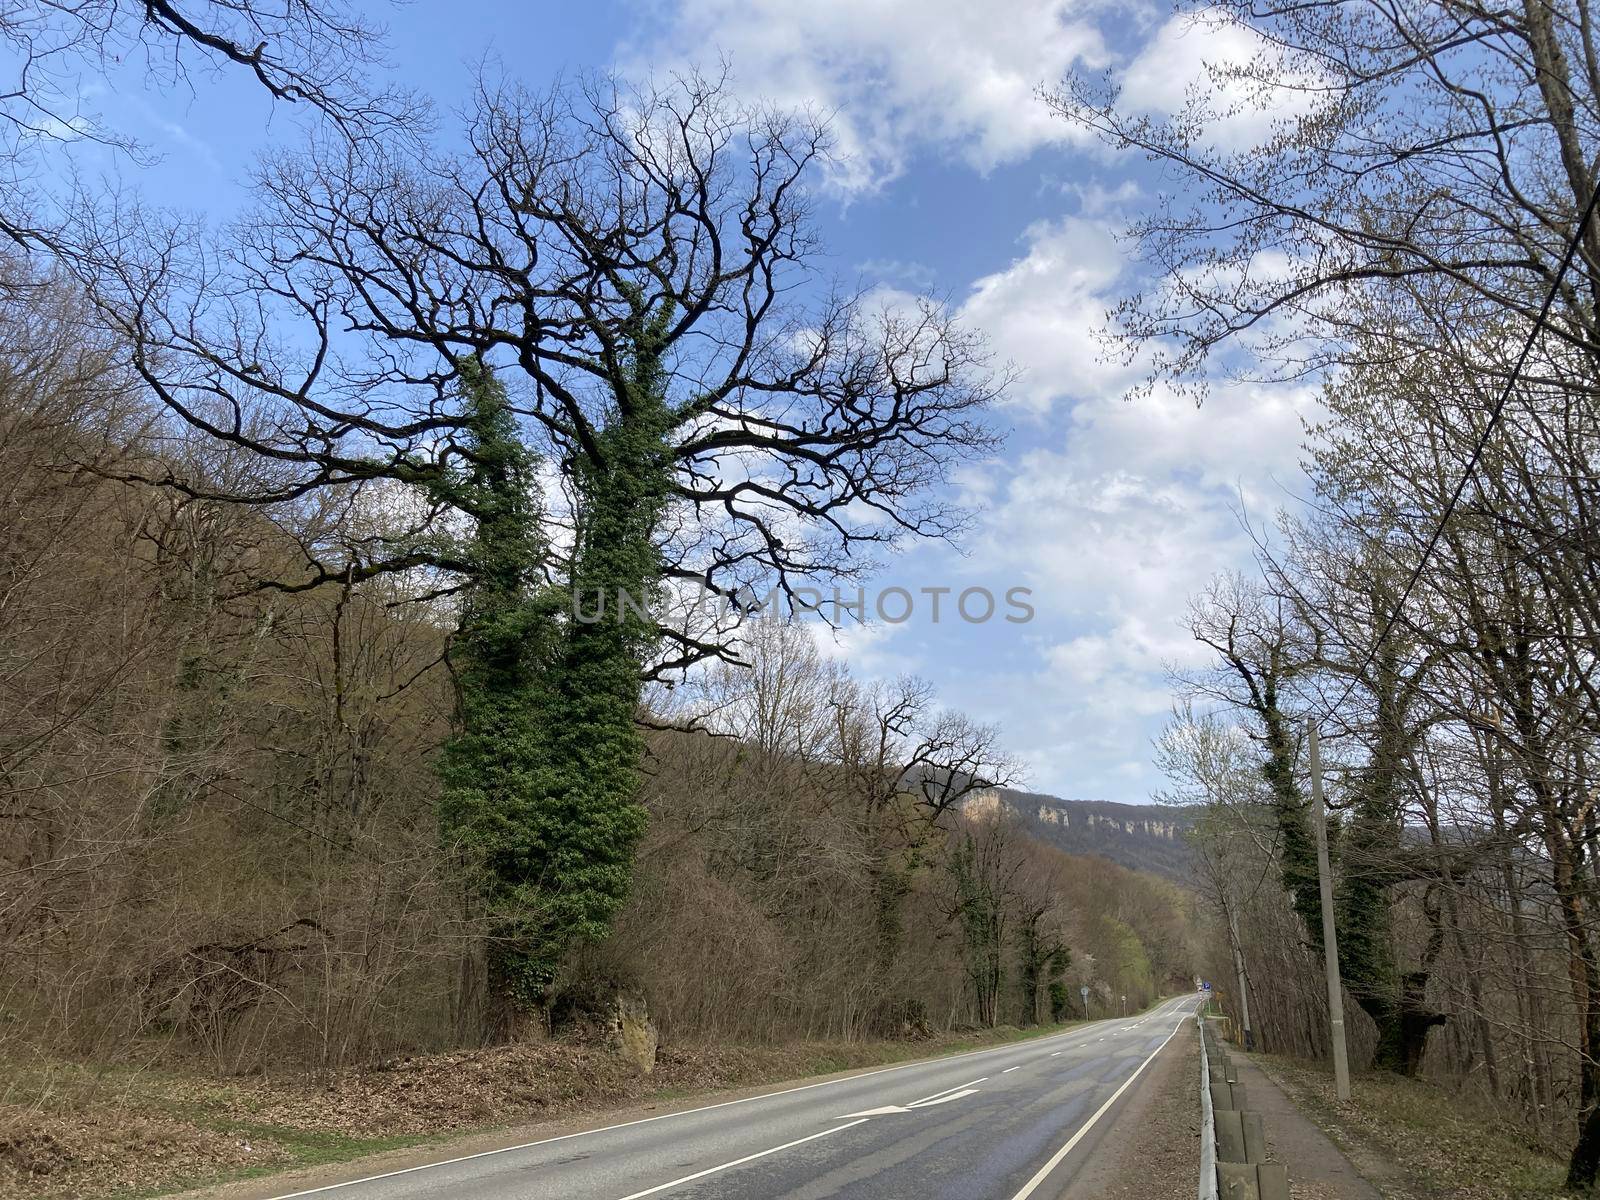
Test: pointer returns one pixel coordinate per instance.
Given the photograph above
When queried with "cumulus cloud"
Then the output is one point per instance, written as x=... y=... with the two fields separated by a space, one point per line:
x=1114 y=511
x=1043 y=310
x=898 y=74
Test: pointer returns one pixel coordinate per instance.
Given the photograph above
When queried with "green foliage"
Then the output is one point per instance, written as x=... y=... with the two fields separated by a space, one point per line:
x=1370 y=853
x=540 y=781
x=980 y=912
x=492 y=768
x=1128 y=956
x=1041 y=961
x=1060 y=1001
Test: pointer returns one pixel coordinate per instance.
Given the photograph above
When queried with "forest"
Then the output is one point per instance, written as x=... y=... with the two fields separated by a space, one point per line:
x=224 y=803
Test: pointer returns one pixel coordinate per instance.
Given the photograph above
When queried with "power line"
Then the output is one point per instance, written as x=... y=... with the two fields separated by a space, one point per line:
x=1483 y=441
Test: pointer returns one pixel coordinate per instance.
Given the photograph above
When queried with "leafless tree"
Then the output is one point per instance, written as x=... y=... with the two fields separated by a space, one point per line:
x=806 y=428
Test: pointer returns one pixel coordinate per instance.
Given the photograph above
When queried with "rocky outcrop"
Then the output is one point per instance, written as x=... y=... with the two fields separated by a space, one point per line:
x=633 y=1033
x=1146 y=838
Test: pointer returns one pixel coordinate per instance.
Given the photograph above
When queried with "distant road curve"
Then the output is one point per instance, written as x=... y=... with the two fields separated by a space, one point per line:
x=1003 y=1124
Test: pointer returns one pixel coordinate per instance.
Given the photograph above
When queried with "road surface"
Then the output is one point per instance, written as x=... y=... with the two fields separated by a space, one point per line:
x=1009 y=1123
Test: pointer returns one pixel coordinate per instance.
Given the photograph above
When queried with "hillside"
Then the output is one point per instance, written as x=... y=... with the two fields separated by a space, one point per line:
x=1144 y=837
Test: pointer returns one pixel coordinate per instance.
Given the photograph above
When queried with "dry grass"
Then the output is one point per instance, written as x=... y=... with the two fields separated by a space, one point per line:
x=1423 y=1141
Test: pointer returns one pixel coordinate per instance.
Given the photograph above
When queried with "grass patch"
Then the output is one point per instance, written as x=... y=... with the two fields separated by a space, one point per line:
x=1430 y=1142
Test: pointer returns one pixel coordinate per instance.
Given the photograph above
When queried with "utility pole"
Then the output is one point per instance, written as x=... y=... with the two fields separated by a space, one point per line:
x=1330 y=942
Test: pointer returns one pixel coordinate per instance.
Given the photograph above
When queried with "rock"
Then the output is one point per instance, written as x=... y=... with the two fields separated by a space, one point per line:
x=633 y=1034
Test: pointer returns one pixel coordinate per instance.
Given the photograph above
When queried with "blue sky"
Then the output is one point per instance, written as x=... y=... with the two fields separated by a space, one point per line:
x=957 y=181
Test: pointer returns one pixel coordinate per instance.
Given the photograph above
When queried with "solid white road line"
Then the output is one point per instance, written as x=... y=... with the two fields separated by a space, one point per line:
x=1055 y=1159
x=738 y=1162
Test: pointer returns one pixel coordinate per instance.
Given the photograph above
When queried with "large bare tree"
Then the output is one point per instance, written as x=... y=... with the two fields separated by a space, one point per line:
x=603 y=308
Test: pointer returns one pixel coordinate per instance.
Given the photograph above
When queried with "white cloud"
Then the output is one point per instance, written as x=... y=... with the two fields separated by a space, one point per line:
x=919 y=277
x=1114 y=511
x=1206 y=65
x=1043 y=311
x=898 y=74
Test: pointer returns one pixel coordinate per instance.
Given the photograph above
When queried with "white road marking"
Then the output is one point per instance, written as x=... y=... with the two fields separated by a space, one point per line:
x=925 y=1102
x=1018 y=1067
x=943 y=1099
x=884 y=1111
x=1055 y=1159
x=738 y=1162
x=957 y=1088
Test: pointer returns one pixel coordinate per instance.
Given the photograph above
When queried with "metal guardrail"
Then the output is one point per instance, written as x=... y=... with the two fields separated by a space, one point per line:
x=1208 y=1120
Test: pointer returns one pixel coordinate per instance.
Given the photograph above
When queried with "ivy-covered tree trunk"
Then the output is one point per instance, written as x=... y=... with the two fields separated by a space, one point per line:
x=541 y=779
x=1298 y=855
x=1371 y=850
x=591 y=781
x=1041 y=960
x=1368 y=849
x=490 y=766
x=979 y=908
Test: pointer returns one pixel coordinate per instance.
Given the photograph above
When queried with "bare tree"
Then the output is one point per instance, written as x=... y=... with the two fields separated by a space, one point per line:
x=801 y=429
x=1433 y=158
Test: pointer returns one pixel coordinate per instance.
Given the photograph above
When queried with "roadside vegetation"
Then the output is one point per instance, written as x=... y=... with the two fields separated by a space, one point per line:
x=1413 y=241
x=1417 y=1140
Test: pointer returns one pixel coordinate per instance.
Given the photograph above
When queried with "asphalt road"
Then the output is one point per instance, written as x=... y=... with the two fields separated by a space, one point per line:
x=1011 y=1123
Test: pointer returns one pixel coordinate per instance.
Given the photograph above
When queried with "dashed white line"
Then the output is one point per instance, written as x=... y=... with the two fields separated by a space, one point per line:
x=1008 y=1070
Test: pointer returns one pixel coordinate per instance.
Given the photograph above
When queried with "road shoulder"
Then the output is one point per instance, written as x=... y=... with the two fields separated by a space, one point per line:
x=1318 y=1169
x=1149 y=1147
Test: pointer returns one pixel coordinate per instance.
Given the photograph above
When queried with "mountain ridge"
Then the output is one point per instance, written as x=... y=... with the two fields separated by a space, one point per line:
x=1143 y=837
